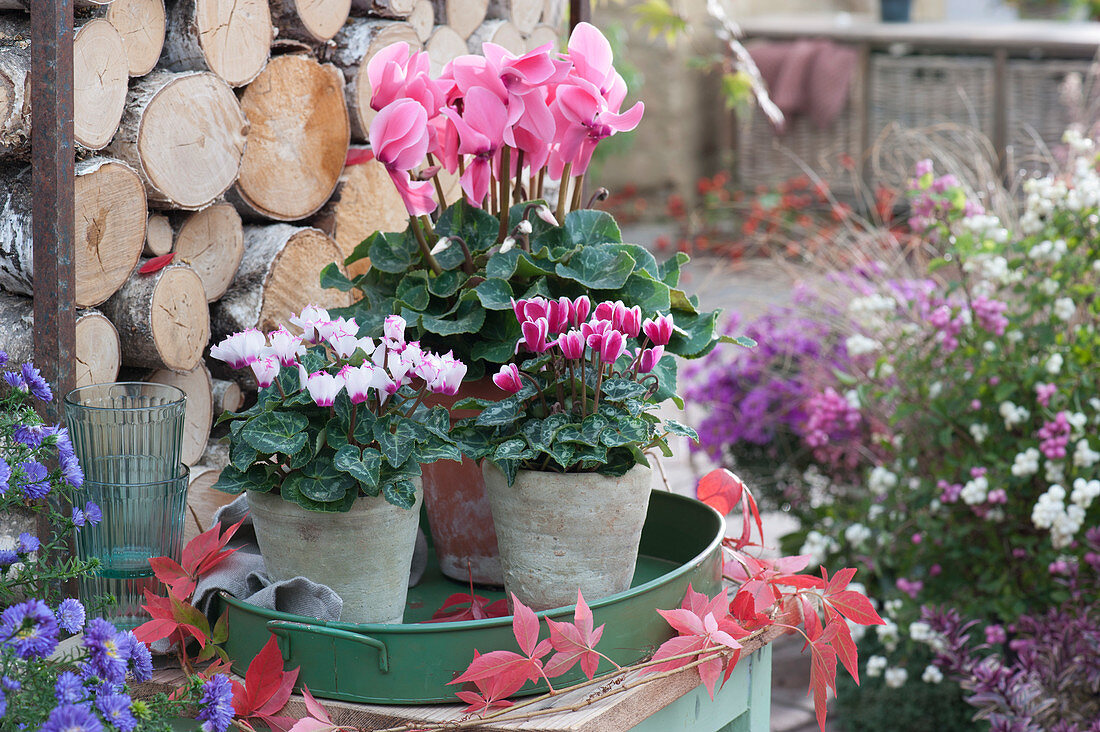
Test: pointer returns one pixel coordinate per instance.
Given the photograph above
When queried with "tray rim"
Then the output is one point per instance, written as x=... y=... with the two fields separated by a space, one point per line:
x=404 y=628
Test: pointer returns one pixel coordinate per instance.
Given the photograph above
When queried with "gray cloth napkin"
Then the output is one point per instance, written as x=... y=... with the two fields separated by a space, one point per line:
x=243 y=574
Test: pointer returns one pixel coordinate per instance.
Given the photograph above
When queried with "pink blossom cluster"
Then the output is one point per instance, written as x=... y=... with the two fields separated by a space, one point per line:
x=910 y=587
x=551 y=108
x=949 y=492
x=830 y=423
x=990 y=314
x=947 y=325
x=929 y=205
x=564 y=324
x=1054 y=436
x=1044 y=392
x=386 y=366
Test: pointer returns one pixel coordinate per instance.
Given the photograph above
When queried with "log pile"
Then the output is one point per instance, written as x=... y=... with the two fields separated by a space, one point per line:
x=216 y=134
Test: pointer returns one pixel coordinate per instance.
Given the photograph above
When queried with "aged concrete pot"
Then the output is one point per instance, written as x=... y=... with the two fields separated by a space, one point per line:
x=364 y=555
x=562 y=532
x=457 y=507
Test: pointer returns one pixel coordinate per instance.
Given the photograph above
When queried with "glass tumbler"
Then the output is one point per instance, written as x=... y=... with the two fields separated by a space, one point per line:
x=143 y=517
x=127 y=418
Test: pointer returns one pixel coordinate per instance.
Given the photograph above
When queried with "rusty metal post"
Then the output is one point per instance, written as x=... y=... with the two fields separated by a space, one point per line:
x=580 y=11
x=52 y=176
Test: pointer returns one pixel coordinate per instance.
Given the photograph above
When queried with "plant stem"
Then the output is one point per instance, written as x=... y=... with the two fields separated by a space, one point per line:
x=425 y=250
x=351 y=423
x=572 y=387
x=599 y=383
x=584 y=388
x=517 y=192
x=431 y=237
x=505 y=180
x=438 y=185
x=578 y=191
x=536 y=193
x=563 y=191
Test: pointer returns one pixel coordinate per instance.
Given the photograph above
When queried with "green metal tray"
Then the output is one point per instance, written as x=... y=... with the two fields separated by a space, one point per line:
x=411 y=663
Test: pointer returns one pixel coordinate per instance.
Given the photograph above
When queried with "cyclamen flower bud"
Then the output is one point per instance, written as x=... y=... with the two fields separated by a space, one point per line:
x=631 y=322
x=265 y=369
x=544 y=213
x=240 y=349
x=508 y=378
x=582 y=306
x=442 y=245
x=649 y=359
x=534 y=335
x=658 y=330
x=323 y=388
x=394 y=331
x=571 y=344
x=508 y=244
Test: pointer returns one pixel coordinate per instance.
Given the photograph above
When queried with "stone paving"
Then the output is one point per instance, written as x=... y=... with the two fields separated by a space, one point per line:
x=747 y=288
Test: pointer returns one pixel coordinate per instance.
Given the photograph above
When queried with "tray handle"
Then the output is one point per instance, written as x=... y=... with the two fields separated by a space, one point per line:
x=282 y=629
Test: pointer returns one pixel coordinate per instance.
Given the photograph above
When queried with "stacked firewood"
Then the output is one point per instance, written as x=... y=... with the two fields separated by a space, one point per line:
x=229 y=134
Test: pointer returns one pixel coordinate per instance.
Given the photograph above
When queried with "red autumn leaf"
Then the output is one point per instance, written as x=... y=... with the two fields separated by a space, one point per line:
x=845 y=648
x=855 y=607
x=204 y=552
x=507 y=665
x=674 y=647
x=267 y=687
x=314 y=707
x=574 y=642
x=709 y=671
x=476 y=608
x=822 y=676
x=173 y=576
x=358 y=156
x=810 y=617
x=722 y=490
x=839 y=581
x=491 y=692
x=525 y=627
x=154 y=630
x=157 y=263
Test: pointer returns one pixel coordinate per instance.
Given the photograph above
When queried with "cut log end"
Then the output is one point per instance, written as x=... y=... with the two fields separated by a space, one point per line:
x=541 y=35
x=422 y=19
x=298 y=138
x=158 y=236
x=211 y=241
x=110 y=227
x=464 y=16
x=524 y=14
x=141 y=24
x=309 y=21
x=231 y=38
x=198 y=386
x=101 y=73
x=98 y=352
x=444 y=46
x=501 y=32
x=228 y=397
x=295 y=279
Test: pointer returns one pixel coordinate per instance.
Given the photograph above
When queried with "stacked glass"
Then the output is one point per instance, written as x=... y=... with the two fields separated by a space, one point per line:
x=128 y=437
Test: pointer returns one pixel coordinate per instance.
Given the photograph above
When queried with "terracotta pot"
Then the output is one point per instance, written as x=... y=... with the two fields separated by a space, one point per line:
x=458 y=510
x=562 y=532
x=364 y=555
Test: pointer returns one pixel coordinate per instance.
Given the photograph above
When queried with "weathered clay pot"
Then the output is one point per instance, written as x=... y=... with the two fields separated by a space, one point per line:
x=457 y=507
x=364 y=555
x=562 y=532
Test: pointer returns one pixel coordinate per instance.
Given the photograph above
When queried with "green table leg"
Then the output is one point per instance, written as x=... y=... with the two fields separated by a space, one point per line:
x=742 y=705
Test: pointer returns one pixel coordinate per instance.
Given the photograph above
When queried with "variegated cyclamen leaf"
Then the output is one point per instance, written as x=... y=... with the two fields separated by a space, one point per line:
x=678 y=428
x=276 y=432
x=620 y=389
x=515 y=449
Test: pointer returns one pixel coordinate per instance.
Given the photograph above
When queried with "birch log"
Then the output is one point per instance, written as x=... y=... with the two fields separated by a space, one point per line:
x=553 y=13
x=97 y=347
x=198 y=386
x=464 y=16
x=162 y=319
x=298 y=139
x=211 y=242
x=15 y=96
x=231 y=38
x=443 y=46
x=158 y=236
x=278 y=276
x=227 y=396
x=100 y=75
x=422 y=19
x=110 y=229
x=541 y=35
x=524 y=14
x=202 y=499
x=141 y=24
x=365 y=202
x=383 y=8
x=308 y=21
x=354 y=46
x=500 y=32
x=184 y=133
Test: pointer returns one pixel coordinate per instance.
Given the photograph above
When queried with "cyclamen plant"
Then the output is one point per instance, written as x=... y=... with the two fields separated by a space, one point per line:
x=338 y=416
x=582 y=402
x=39 y=476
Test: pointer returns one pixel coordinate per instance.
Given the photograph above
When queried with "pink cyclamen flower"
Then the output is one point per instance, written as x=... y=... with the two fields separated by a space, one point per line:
x=359 y=380
x=393 y=331
x=582 y=306
x=481 y=134
x=612 y=346
x=649 y=359
x=508 y=378
x=451 y=373
x=265 y=369
x=240 y=349
x=323 y=388
x=399 y=139
x=594 y=331
x=659 y=329
x=571 y=345
x=308 y=320
x=583 y=120
x=396 y=73
x=535 y=333
x=285 y=346
x=631 y=322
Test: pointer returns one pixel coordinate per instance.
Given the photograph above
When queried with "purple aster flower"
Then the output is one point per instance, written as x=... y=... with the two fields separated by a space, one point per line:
x=28 y=543
x=36 y=485
x=71 y=615
x=3 y=358
x=70 y=468
x=3 y=704
x=10 y=684
x=78 y=517
x=216 y=704
x=92 y=513
x=29 y=628
x=15 y=380
x=38 y=385
x=115 y=709
x=30 y=434
x=69 y=689
x=106 y=659
x=141 y=660
x=72 y=718
x=5 y=475
x=8 y=557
